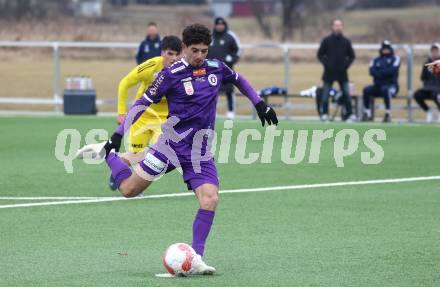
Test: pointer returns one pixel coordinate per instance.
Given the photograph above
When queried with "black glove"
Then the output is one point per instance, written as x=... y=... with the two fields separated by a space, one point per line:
x=113 y=143
x=266 y=113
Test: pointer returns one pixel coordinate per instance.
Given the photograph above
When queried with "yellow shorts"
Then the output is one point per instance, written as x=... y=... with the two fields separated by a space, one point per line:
x=144 y=132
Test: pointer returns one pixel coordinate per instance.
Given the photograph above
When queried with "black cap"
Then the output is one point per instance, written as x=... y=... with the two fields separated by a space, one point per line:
x=219 y=20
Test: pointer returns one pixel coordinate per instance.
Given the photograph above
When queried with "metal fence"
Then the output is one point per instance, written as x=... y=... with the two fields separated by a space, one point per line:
x=288 y=49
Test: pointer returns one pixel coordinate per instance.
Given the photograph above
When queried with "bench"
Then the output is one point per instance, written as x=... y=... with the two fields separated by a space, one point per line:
x=356 y=101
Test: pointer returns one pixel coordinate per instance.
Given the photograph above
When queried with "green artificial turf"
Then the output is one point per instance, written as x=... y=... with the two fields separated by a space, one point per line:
x=355 y=235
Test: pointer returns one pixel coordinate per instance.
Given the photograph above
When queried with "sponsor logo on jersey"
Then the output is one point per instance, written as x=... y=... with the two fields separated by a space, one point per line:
x=201 y=79
x=213 y=64
x=186 y=79
x=180 y=68
x=212 y=79
x=156 y=85
x=154 y=163
x=199 y=72
x=189 y=89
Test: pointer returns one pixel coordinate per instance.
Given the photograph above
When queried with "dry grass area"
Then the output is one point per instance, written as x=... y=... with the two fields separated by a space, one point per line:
x=29 y=77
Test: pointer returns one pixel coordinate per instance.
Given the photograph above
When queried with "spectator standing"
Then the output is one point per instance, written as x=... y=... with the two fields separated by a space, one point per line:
x=150 y=47
x=431 y=85
x=336 y=55
x=385 y=72
x=225 y=47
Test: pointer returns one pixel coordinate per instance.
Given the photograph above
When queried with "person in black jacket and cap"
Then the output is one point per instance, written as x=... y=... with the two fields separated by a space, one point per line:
x=385 y=72
x=151 y=46
x=431 y=85
x=225 y=47
x=336 y=55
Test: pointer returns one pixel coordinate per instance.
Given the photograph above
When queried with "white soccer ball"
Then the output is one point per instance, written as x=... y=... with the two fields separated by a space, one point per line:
x=178 y=259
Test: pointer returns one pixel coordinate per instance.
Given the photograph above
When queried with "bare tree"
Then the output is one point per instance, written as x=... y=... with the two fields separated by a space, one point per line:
x=20 y=9
x=259 y=16
x=290 y=19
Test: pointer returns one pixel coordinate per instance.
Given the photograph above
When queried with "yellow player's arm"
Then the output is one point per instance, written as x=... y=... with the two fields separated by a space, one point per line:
x=141 y=74
x=125 y=84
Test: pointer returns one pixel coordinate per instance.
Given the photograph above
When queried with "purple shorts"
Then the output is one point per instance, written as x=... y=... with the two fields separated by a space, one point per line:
x=156 y=164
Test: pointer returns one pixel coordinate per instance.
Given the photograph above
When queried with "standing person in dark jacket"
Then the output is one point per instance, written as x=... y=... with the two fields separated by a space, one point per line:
x=225 y=47
x=150 y=47
x=431 y=85
x=385 y=72
x=336 y=55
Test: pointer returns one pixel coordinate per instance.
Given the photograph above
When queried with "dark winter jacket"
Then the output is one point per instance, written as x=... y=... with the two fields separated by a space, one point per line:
x=148 y=49
x=385 y=69
x=224 y=46
x=336 y=54
x=431 y=81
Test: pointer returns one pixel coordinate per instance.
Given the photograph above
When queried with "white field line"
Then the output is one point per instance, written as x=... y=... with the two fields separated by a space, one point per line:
x=74 y=200
x=56 y=197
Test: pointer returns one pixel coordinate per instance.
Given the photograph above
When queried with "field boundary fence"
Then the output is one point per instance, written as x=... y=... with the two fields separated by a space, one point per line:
x=287 y=49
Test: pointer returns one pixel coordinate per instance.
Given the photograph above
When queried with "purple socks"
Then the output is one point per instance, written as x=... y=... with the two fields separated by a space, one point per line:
x=120 y=170
x=201 y=227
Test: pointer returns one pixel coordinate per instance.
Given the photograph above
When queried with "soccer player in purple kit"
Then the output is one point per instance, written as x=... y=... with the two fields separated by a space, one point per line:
x=190 y=86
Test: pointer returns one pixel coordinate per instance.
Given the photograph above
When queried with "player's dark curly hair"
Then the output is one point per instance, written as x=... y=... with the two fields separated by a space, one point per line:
x=172 y=43
x=196 y=34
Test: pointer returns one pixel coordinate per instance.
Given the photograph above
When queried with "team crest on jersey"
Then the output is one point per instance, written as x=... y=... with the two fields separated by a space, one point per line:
x=212 y=79
x=189 y=89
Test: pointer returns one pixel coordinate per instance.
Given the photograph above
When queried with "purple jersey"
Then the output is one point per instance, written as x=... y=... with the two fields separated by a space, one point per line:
x=192 y=96
x=191 y=92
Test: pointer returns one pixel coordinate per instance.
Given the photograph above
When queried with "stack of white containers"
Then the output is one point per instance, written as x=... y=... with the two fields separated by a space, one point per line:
x=79 y=83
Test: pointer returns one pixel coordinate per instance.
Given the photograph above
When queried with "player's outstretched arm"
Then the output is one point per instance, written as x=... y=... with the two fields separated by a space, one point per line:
x=265 y=112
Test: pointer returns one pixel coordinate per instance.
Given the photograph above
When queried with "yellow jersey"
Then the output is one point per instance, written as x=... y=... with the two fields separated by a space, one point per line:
x=144 y=74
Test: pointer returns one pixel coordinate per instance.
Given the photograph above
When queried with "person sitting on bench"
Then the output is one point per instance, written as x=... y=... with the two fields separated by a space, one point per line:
x=431 y=85
x=385 y=72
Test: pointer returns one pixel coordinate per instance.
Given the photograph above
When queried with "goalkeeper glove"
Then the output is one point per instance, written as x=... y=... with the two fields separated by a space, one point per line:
x=113 y=143
x=266 y=113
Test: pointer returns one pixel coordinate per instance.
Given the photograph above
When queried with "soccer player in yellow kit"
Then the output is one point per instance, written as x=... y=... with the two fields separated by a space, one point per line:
x=147 y=129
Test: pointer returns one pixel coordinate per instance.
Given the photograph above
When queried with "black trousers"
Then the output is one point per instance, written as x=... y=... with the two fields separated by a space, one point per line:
x=228 y=89
x=346 y=98
x=422 y=95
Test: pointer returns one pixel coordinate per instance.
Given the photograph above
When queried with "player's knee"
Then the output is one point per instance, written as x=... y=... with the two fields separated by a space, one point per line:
x=417 y=95
x=127 y=190
x=210 y=201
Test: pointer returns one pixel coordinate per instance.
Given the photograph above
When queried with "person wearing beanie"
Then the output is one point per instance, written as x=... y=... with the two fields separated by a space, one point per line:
x=431 y=85
x=225 y=47
x=385 y=72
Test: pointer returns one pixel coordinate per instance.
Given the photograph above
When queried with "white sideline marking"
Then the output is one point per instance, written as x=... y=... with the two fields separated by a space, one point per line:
x=261 y=189
x=55 y=197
